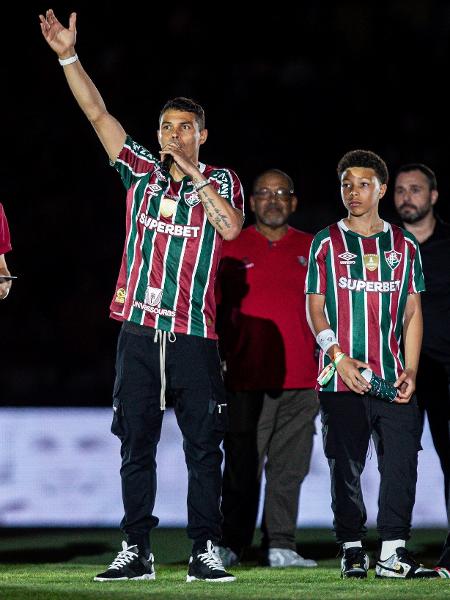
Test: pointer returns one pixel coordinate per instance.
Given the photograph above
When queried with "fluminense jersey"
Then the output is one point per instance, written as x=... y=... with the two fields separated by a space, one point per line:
x=171 y=252
x=366 y=282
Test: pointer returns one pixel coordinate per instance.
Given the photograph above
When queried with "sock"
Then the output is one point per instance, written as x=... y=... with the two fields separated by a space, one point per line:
x=142 y=544
x=389 y=547
x=357 y=544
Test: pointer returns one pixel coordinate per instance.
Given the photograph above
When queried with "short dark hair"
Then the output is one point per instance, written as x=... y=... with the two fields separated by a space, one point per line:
x=185 y=105
x=366 y=159
x=429 y=174
x=277 y=172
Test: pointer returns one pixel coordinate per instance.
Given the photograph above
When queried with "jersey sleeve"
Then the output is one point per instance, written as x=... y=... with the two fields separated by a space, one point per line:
x=228 y=185
x=5 y=241
x=416 y=281
x=134 y=161
x=316 y=277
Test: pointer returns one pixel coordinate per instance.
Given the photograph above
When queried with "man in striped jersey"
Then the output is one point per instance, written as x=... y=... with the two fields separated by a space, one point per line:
x=363 y=284
x=178 y=212
x=5 y=246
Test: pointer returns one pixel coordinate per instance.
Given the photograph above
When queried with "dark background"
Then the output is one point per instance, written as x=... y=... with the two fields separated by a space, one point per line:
x=292 y=88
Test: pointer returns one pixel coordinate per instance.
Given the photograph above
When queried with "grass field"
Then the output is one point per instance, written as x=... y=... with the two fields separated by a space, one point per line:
x=60 y=564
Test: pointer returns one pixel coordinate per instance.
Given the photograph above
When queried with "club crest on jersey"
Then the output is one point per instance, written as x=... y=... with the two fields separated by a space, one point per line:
x=120 y=296
x=347 y=258
x=371 y=261
x=393 y=258
x=153 y=296
x=302 y=260
x=191 y=198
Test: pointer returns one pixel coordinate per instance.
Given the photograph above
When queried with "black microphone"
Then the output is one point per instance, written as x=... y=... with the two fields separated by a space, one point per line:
x=167 y=163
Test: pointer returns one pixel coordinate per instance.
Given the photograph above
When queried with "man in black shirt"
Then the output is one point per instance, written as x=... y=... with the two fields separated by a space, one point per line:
x=415 y=195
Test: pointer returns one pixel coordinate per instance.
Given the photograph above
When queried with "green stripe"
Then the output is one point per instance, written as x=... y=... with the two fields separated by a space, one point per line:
x=387 y=360
x=200 y=281
x=136 y=313
x=358 y=312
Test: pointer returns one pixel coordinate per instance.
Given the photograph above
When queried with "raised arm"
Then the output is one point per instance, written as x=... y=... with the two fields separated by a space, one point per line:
x=62 y=41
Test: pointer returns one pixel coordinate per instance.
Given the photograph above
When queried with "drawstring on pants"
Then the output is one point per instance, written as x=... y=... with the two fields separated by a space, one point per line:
x=162 y=336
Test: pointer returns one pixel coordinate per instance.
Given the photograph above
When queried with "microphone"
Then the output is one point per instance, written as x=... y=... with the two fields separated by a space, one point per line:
x=167 y=163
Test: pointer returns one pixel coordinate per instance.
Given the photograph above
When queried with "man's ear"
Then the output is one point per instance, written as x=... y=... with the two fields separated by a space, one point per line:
x=434 y=197
x=203 y=136
x=158 y=135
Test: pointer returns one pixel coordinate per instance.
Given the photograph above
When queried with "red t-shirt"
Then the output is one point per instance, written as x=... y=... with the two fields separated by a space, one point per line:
x=5 y=242
x=264 y=336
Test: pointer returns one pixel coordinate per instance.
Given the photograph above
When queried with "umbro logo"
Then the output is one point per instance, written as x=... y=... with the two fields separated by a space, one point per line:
x=347 y=258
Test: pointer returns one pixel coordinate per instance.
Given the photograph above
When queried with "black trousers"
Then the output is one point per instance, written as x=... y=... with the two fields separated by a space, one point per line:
x=195 y=384
x=348 y=422
x=433 y=395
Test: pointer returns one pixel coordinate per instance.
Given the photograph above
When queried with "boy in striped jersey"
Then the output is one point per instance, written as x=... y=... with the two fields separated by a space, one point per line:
x=363 y=285
x=178 y=211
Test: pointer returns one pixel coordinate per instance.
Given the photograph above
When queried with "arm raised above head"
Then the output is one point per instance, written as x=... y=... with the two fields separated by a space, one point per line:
x=62 y=41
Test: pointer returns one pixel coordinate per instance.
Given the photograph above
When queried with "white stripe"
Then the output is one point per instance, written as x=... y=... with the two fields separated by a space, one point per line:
x=119 y=160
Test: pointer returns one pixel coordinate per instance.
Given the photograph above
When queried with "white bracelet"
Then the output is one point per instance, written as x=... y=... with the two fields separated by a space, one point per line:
x=201 y=184
x=68 y=61
x=326 y=338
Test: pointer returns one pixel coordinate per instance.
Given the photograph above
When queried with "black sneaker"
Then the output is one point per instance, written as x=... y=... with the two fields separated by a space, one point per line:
x=128 y=564
x=401 y=565
x=354 y=563
x=207 y=565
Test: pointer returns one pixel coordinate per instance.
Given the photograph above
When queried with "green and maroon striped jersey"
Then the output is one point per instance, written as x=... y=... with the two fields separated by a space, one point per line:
x=171 y=252
x=366 y=281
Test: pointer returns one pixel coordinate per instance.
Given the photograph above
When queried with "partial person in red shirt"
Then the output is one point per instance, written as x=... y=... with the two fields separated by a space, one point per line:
x=5 y=246
x=268 y=353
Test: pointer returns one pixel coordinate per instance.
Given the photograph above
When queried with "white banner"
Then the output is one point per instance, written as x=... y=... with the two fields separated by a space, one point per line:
x=60 y=467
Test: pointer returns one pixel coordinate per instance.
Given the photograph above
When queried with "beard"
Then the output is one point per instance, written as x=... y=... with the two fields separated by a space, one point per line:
x=273 y=218
x=411 y=214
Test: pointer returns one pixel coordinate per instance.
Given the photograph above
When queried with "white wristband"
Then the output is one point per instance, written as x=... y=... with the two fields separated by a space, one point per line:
x=68 y=61
x=326 y=339
x=201 y=184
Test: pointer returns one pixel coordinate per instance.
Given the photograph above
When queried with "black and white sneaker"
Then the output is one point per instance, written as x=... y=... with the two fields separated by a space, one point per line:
x=207 y=565
x=401 y=565
x=354 y=563
x=128 y=564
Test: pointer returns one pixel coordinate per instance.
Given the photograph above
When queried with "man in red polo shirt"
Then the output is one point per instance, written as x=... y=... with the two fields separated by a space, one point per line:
x=268 y=351
x=5 y=246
